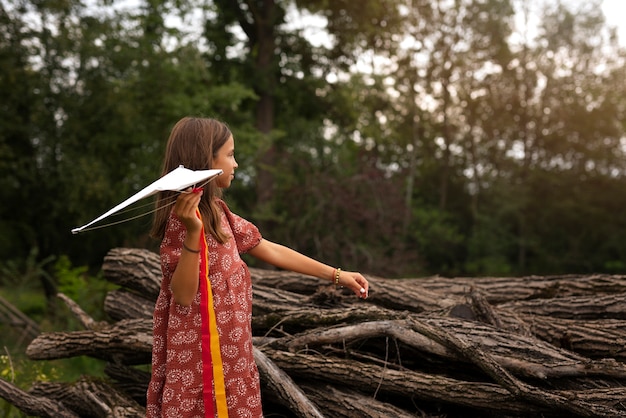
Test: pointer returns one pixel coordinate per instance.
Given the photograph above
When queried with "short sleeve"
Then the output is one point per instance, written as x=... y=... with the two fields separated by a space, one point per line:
x=171 y=245
x=246 y=234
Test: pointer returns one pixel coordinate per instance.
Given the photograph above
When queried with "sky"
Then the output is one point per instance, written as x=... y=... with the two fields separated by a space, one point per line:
x=615 y=13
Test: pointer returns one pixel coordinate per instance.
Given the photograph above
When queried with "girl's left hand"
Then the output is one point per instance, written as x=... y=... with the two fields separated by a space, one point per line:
x=356 y=282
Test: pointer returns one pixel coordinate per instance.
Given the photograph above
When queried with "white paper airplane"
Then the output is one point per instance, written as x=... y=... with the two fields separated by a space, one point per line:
x=176 y=180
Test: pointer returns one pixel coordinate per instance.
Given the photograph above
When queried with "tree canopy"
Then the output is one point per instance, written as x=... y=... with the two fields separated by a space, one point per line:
x=396 y=137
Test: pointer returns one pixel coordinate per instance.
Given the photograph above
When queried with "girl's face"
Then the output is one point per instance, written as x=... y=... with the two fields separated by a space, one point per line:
x=225 y=160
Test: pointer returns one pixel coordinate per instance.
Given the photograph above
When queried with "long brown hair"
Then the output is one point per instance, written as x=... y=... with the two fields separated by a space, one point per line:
x=193 y=143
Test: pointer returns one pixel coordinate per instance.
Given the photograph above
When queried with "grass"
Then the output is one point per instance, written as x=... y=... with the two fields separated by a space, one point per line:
x=22 y=284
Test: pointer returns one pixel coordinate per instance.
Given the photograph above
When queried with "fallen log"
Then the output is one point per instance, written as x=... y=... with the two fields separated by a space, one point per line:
x=345 y=403
x=281 y=385
x=90 y=397
x=573 y=307
x=130 y=340
x=134 y=269
x=475 y=395
x=602 y=338
x=373 y=379
x=124 y=304
x=492 y=367
x=30 y=404
x=498 y=290
x=129 y=380
x=383 y=292
x=429 y=347
x=520 y=355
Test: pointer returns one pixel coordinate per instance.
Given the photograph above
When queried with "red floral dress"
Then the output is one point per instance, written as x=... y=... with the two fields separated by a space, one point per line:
x=180 y=382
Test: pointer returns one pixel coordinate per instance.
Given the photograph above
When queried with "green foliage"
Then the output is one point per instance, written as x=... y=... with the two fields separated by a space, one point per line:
x=26 y=272
x=23 y=373
x=71 y=280
x=28 y=283
x=419 y=139
x=489 y=249
x=87 y=290
x=437 y=237
x=452 y=147
x=22 y=287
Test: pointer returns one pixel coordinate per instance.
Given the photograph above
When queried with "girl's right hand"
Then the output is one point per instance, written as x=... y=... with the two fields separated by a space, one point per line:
x=185 y=209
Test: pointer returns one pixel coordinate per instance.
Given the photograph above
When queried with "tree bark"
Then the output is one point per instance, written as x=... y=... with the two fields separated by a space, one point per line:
x=130 y=340
x=599 y=338
x=284 y=389
x=34 y=405
x=573 y=307
x=429 y=347
x=134 y=269
x=345 y=403
x=499 y=290
x=122 y=304
x=91 y=398
x=378 y=380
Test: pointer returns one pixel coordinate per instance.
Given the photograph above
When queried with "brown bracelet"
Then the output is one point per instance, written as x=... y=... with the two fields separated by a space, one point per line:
x=189 y=249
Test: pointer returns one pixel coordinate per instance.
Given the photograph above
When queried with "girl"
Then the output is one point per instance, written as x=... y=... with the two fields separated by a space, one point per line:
x=202 y=355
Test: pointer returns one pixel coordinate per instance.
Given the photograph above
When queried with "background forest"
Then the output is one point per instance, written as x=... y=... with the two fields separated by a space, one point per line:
x=396 y=137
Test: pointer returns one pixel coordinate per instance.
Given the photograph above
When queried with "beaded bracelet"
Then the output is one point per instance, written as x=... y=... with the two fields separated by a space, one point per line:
x=189 y=249
x=337 y=273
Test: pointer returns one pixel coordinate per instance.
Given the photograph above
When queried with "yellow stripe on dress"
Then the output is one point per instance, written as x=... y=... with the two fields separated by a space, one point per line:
x=216 y=354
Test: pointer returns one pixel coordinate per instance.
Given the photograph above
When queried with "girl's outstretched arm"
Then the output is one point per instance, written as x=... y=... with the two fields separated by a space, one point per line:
x=287 y=259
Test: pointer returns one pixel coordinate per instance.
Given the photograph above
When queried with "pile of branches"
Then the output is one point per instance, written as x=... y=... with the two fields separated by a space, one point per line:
x=426 y=347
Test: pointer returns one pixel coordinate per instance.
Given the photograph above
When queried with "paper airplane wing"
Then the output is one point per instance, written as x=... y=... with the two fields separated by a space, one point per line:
x=176 y=180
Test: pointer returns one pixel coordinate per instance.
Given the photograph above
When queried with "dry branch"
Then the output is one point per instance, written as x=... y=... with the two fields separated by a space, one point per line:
x=521 y=355
x=84 y=318
x=373 y=379
x=428 y=347
x=491 y=366
x=12 y=316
